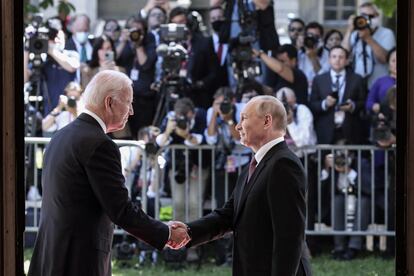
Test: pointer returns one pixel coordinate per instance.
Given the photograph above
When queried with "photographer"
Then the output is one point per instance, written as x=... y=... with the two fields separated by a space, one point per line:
x=231 y=156
x=369 y=43
x=309 y=56
x=296 y=30
x=65 y=112
x=346 y=201
x=300 y=130
x=286 y=72
x=337 y=98
x=142 y=57
x=52 y=74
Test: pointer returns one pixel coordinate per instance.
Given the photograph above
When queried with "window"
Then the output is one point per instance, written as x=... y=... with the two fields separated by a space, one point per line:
x=338 y=11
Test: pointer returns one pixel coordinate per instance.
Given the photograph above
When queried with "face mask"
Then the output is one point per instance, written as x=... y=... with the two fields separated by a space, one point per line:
x=375 y=22
x=216 y=25
x=81 y=37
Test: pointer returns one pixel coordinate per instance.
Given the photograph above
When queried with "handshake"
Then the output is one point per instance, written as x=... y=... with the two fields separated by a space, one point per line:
x=179 y=235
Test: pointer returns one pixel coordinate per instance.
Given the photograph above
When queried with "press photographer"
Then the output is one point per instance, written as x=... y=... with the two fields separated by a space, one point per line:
x=369 y=43
x=69 y=107
x=347 y=200
x=49 y=67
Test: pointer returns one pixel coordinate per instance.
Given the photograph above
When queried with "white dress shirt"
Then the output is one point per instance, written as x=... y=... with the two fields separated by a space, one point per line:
x=265 y=148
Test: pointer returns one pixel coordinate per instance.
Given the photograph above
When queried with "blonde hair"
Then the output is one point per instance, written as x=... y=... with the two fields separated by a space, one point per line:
x=106 y=83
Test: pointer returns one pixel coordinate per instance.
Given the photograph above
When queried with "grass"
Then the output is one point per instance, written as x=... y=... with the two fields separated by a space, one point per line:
x=366 y=265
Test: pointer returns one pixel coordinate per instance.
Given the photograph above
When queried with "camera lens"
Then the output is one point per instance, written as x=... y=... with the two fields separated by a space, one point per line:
x=225 y=106
x=361 y=22
x=310 y=41
x=135 y=35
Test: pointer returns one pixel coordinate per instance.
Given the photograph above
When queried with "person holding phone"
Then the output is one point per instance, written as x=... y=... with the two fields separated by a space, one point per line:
x=103 y=58
x=336 y=100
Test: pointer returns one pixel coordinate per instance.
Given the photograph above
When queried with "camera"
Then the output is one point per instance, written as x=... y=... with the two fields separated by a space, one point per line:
x=173 y=32
x=38 y=35
x=362 y=22
x=136 y=35
x=173 y=55
x=182 y=122
x=226 y=106
x=310 y=41
x=240 y=48
x=381 y=129
x=69 y=101
x=124 y=250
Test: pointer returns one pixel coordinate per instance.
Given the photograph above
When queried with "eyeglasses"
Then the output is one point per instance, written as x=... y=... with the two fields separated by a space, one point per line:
x=369 y=15
x=292 y=29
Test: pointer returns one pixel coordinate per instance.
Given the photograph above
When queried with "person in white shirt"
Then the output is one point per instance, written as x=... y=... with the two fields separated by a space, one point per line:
x=369 y=43
x=300 y=131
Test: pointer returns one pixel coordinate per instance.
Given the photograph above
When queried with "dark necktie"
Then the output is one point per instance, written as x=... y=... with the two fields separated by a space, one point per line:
x=337 y=83
x=220 y=52
x=83 y=57
x=252 y=167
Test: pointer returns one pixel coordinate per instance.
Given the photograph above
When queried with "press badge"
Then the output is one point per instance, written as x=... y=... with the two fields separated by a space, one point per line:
x=134 y=74
x=231 y=164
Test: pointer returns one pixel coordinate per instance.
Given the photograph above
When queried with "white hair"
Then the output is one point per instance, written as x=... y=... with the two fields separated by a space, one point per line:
x=271 y=105
x=287 y=91
x=105 y=83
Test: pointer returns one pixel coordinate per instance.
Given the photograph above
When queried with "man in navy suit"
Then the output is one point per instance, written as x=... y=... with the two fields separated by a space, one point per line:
x=84 y=192
x=337 y=99
x=267 y=209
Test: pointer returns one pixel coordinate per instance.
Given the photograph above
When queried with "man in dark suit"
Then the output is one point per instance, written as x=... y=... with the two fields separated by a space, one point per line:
x=337 y=99
x=267 y=209
x=84 y=192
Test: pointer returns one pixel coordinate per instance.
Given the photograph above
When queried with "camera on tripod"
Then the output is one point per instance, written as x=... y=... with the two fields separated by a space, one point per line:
x=241 y=53
x=37 y=38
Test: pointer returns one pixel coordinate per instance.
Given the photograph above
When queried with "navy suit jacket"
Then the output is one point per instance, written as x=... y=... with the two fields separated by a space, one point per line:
x=83 y=193
x=267 y=218
x=324 y=120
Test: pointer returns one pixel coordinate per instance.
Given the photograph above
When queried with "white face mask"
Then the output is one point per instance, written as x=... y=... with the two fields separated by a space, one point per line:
x=81 y=37
x=375 y=22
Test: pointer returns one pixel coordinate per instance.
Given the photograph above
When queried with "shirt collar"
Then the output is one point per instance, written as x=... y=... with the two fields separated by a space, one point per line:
x=96 y=117
x=266 y=147
x=334 y=74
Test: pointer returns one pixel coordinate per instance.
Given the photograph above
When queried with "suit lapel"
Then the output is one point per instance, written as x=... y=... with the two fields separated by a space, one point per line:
x=243 y=193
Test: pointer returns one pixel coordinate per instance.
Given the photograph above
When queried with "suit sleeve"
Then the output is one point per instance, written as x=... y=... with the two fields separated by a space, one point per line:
x=315 y=97
x=105 y=177
x=213 y=225
x=288 y=211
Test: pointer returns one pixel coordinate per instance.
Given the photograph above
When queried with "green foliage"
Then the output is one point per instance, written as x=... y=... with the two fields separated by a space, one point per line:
x=63 y=7
x=387 y=6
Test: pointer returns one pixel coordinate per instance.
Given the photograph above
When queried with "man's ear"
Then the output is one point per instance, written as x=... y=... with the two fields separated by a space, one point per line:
x=108 y=102
x=268 y=121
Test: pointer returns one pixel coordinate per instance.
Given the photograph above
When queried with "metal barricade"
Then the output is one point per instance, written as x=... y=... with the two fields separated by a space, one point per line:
x=197 y=166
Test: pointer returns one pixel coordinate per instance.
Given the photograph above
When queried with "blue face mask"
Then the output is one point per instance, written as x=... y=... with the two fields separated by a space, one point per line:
x=81 y=37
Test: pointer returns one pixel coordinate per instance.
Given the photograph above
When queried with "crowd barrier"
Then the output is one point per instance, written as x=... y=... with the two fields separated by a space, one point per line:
x=368 y=210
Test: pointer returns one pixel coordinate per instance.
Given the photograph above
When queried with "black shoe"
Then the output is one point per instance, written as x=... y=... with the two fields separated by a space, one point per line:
x=349 y=254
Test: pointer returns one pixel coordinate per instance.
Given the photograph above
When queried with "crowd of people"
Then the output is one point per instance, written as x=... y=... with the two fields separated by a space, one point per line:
x=337 y=88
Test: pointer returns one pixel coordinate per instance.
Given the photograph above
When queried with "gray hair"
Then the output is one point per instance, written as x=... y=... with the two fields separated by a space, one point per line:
x=105 y=83
x=271 y=105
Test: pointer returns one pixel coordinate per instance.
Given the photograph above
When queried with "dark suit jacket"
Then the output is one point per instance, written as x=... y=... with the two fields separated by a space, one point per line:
x=202 y=66
x=325 y=119
x=267 y=220
x=83 y=193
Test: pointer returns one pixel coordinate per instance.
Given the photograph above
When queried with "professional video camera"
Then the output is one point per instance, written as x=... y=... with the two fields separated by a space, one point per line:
x=37 y=36
x=241 y=54
x=173 y=86
x=362 y=22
